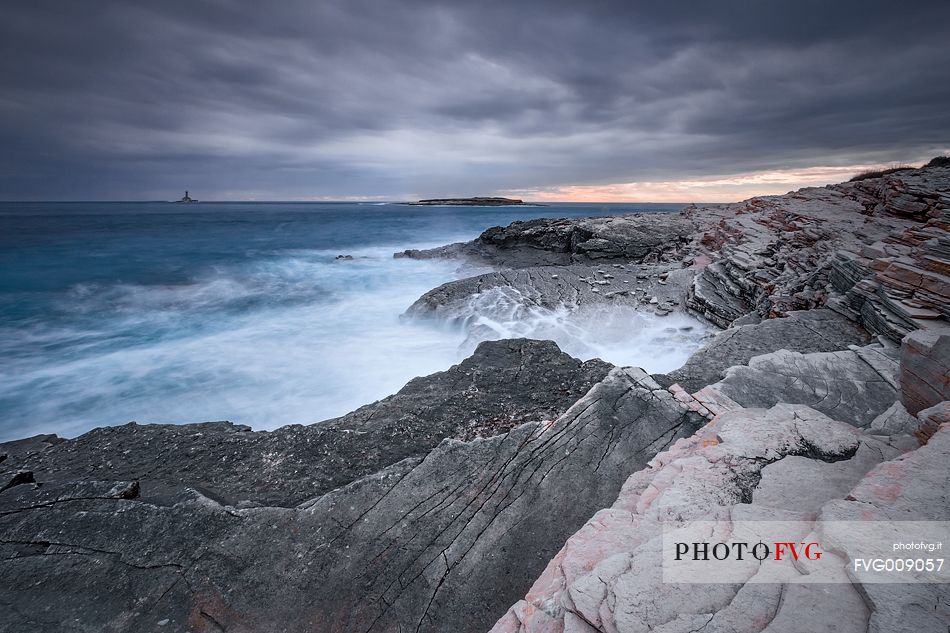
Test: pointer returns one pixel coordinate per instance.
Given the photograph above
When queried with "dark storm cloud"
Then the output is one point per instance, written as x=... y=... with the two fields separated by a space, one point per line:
x=296 y=99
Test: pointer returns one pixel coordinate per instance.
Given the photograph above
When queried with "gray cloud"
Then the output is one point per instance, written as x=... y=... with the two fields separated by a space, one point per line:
x=357 y=97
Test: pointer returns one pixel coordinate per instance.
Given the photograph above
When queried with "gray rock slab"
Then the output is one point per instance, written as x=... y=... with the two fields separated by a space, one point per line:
x=801 y=484
x=843 y=385
x=801 y=331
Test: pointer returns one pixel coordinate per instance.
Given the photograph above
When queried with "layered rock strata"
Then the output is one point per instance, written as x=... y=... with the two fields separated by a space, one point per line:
x=877 y=251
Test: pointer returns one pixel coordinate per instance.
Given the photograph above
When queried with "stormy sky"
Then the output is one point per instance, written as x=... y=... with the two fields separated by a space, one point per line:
x=546 y=99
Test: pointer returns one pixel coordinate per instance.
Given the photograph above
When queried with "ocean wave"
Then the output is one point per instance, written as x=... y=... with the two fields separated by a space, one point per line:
x=293 y=340
x=621 y=335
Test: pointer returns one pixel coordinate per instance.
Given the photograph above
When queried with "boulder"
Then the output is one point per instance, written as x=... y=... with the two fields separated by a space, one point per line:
x=894 y=421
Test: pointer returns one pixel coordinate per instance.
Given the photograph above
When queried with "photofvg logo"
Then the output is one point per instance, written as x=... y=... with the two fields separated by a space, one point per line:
x=778 y=550
x=806 y=552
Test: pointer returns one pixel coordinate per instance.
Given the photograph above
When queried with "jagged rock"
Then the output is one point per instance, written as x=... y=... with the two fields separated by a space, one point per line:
x=887 y=272
x=853 y=386
x=18 y=479
x=643 y=238
x=745 y=465
x=718 y=297
x=925 y=368
x=805 y=332
x=443 y=543
x=28 y=445
x=503 y=384
x=881 y=245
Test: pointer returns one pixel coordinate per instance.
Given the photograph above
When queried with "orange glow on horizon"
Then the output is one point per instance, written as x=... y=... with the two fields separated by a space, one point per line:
x=713 y=189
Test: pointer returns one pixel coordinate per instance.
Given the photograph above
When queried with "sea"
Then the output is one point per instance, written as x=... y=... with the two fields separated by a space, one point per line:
x=113 y=312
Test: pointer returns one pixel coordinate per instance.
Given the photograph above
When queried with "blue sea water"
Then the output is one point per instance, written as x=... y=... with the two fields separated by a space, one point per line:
x=156 y=312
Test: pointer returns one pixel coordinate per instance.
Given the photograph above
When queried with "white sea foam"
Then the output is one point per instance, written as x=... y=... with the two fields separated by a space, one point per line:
x=294 y=339
x=321 y=338
x=621 y=335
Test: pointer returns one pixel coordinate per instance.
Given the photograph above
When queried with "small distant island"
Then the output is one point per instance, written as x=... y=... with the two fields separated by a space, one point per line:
x=478 y=201
x=186 y=199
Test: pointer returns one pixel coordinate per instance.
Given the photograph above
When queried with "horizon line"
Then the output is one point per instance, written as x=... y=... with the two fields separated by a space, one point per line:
x=527 y=203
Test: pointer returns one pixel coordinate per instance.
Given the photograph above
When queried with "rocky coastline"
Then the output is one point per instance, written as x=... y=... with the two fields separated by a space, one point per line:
x=524 y=490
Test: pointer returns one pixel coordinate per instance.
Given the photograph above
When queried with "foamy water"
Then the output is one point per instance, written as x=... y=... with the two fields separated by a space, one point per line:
x=619 y=334
x=263 y=330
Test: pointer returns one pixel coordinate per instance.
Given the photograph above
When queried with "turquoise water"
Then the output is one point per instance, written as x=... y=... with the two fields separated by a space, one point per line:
x=155 y=312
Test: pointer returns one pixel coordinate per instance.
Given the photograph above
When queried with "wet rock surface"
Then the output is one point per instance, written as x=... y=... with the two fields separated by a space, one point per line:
x=650 y=288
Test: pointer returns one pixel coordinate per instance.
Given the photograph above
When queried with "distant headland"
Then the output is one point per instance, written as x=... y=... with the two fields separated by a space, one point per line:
x=478 y=201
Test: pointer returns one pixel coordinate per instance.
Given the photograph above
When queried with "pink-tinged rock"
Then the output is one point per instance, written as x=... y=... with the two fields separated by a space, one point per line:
x=509 y=623
x=917 y=312
x=874 y=251
x=522 y=611
x=879 y=265
x=810 y=431
x=715 y=401
x=608 y=576
x=807 y=607
x=913 y=487
x=796 y=483
x=904 y=275
x=925 y=369
x=932 y=419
